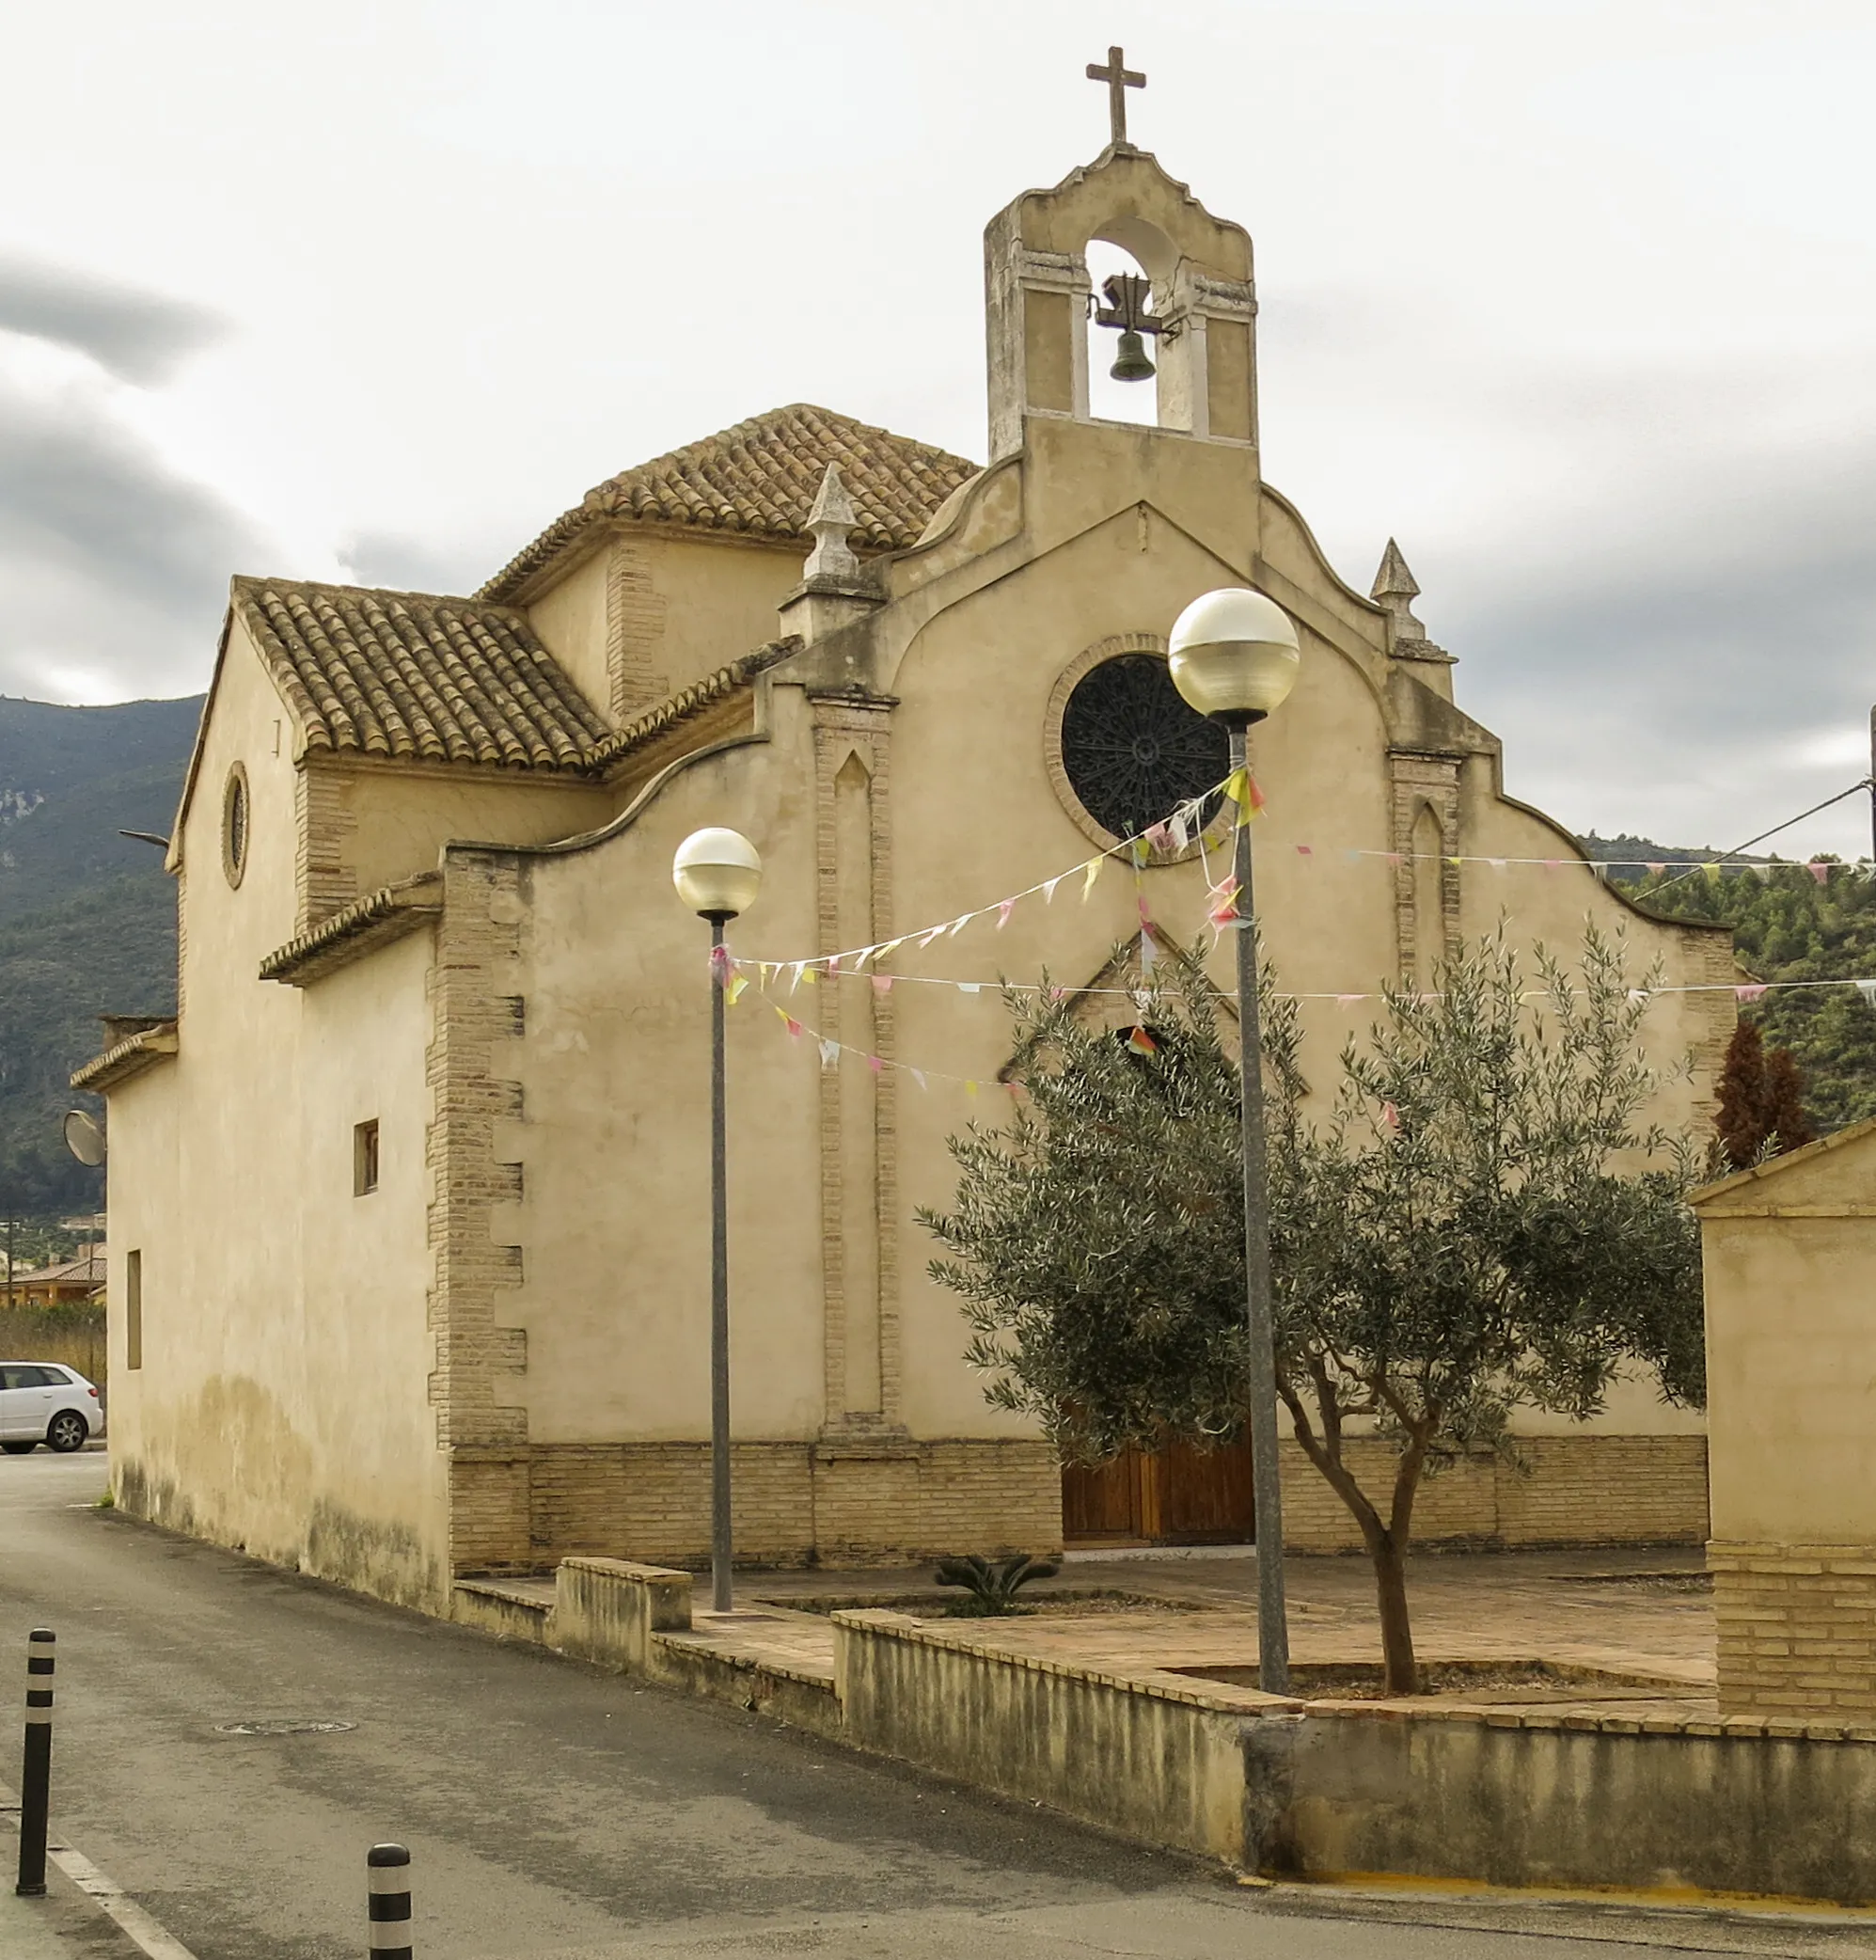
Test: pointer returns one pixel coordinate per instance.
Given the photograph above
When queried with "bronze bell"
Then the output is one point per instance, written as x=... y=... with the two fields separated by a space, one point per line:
x=1131 y=363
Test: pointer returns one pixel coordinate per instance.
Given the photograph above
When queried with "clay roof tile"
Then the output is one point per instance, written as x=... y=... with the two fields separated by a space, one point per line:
x=417 y=676
x=760 y=478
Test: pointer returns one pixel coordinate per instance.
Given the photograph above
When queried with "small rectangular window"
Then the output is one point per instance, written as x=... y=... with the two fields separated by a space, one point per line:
x=365 y=1158
x=133 y=1309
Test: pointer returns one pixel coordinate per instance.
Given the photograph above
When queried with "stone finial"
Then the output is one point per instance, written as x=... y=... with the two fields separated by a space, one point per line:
x=1394 y=591
x=831 y=521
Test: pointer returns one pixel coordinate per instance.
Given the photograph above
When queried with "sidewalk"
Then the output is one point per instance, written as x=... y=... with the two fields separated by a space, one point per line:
x=68 y=1923
x=63 y=1925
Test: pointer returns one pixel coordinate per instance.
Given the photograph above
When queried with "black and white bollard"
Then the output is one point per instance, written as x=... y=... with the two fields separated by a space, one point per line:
x=36 y=1778
x=390 y=1869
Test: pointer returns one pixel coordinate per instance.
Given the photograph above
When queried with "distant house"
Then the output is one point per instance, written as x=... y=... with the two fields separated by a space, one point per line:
x=71 y=1282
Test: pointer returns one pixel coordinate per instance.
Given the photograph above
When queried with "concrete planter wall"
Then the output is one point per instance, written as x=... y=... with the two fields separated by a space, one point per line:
x=1535 y=1800
x=1677 y=1808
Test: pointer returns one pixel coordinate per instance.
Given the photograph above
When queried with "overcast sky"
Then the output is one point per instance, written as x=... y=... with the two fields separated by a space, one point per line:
x=1577 y=300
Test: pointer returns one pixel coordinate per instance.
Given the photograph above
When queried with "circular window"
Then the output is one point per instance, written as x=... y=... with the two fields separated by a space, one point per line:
x=1131 y=750
x=235 y=825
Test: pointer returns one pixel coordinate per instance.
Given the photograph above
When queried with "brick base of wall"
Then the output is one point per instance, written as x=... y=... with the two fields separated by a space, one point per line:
x=794 y=1503
x=1797 y=1626
x=1561 y=1491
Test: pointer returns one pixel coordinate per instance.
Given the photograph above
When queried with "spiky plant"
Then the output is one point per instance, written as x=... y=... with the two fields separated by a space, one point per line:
x=993 y=1589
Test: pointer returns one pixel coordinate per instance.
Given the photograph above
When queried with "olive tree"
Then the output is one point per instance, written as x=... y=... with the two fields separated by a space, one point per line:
x=1480 y=1217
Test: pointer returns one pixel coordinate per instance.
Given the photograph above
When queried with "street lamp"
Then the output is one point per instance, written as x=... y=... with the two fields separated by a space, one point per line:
x=717 y=874
x=1234 y=656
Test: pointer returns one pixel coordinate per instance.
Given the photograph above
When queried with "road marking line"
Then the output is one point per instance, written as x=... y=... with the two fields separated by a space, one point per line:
x=105 y=1893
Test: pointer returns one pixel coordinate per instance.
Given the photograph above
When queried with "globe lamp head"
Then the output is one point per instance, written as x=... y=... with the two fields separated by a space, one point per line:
x=1233 y=654
x=718 y=873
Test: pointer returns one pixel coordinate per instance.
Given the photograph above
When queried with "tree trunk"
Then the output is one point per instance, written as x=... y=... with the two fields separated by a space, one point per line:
x=1386 y=1542
x=1401 y=1673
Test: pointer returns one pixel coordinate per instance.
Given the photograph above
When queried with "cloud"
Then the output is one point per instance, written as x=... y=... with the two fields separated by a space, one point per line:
x=115 y=567
x=396 y=562
x=1724 y=662
x=137 y=336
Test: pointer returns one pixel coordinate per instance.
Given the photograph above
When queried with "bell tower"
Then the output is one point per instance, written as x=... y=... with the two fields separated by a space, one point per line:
x=1200 y=311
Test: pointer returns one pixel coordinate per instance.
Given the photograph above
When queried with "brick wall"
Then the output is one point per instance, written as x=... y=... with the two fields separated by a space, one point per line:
x=1571 y=1490
x=1797 y=1629
x=795 y=1503
x=488 y=1510
x=475 y=1017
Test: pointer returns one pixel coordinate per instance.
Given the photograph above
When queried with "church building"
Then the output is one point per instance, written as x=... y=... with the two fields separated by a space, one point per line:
x=409 y=1244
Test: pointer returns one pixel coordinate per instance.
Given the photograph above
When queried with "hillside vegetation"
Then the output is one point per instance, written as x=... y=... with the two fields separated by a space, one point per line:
x=1788 y=925
x=87 y=918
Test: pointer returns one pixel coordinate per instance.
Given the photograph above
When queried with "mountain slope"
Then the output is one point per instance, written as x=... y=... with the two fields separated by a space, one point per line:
x=71 y=778
x=88 y=919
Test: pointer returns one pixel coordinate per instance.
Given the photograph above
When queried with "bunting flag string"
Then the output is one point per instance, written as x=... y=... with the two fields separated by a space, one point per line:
x=834 y=1053
x=1142 y=1041
x=1746 y=992
x=1171 y=837
x=1188 y=824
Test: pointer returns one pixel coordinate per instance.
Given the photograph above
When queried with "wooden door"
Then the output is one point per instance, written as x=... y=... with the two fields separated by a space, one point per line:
x=1182 y=1496
x=1100 y=1502
x=1205 y=1494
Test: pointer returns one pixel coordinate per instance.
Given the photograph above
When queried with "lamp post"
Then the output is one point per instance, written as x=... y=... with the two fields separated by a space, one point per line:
x=717 y=874
x=1234 y=658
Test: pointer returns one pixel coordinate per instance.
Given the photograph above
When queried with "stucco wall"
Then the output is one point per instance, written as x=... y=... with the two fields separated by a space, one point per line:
x=280 y=1406
x=653 y=610
x=392 y=821
x=1792 y=1375
x=613 y=1223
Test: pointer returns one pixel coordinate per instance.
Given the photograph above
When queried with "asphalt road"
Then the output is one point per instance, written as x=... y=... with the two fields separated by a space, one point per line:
x=554 y=1810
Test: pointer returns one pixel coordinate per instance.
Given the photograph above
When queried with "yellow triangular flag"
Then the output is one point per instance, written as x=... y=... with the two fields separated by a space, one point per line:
x=733 y=992
x=1092 y=873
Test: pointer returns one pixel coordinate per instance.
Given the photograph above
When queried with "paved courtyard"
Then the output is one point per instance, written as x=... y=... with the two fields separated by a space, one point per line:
x=1644 y=1614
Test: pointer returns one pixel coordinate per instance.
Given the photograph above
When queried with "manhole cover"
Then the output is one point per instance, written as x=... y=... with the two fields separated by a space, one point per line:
x=287 y=1728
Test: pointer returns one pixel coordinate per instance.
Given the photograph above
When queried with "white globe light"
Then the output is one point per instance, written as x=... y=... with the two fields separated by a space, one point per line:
x=718 y=873
x=1233 y=654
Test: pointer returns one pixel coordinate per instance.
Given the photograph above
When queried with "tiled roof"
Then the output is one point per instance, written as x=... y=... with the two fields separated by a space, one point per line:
x=760 y=478
x=693 y=699
x=415 y=675
x=128 y=1057
x=374 y=920
x=88 y=1270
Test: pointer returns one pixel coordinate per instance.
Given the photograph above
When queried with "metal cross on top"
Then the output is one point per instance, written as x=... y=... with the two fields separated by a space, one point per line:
x=1119 y=78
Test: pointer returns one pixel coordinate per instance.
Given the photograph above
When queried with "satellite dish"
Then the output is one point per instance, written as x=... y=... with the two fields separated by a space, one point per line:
x=84 y=1138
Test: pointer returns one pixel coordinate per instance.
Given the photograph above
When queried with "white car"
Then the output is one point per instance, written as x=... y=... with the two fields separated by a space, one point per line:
x=44 y=1401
